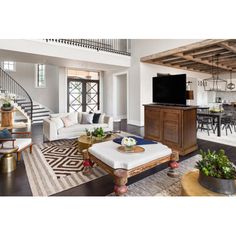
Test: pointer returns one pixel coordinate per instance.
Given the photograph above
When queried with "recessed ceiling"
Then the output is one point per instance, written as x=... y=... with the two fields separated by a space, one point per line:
x=199 y=57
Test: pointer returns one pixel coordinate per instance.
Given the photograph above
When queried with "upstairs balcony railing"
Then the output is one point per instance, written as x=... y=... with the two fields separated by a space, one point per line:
x=119 y=46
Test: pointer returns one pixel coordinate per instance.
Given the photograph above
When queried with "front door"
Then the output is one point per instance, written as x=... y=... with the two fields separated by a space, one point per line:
x=83 y=95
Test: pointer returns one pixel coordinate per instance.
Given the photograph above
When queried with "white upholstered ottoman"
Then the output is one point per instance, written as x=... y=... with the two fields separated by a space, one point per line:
x=125 y=165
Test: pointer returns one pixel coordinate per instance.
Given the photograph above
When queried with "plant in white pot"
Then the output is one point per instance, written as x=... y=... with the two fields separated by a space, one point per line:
x=216 y=172
x=128 y=143
x=8 y=102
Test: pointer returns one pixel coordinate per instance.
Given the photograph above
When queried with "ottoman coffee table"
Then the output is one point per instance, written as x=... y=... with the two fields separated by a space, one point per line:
x=124 y=165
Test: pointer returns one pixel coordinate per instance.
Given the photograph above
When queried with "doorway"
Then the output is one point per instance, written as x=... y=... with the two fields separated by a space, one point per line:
x=120 y=108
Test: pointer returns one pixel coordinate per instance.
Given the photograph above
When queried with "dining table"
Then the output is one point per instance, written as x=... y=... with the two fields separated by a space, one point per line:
x=216 y=116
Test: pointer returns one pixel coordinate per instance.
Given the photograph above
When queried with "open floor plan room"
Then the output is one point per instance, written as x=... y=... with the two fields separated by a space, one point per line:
x=118 y=117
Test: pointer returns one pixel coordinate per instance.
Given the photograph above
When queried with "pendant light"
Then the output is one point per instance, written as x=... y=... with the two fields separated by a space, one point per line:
x=215 y=82
x=231 y=85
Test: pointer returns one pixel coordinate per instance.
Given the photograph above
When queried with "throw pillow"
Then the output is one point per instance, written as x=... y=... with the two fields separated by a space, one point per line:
x=79 y=117
x=68 y=121
x=101 y=118
x=5 y=134
x=96 y=117
x=59 y=123
x=87 y=118
x=73 y=116
x=58 y=115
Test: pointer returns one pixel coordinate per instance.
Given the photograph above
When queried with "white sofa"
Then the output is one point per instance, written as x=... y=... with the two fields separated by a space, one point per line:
x=51 y=131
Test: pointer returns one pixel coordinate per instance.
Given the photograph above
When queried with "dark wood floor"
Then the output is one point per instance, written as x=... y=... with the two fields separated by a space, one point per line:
x=16 y=183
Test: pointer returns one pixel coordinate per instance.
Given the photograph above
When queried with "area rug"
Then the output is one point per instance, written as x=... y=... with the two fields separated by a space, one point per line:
x=229 y=139
x=57 y=166
x=160 y=184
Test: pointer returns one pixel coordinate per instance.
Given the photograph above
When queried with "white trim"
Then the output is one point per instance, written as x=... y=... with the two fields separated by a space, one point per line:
x=36 y=77
x=135 y=122
x=101 y=78
x=114 y=77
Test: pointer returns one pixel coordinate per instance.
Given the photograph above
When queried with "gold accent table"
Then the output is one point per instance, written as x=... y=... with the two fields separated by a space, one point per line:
x=8 y=161
x=84 y=142
x=191 y=186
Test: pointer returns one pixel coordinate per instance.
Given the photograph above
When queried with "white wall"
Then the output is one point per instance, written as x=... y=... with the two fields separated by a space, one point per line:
x=25 y=76
x=62 y=90
x=121 y=96
x=140 y=74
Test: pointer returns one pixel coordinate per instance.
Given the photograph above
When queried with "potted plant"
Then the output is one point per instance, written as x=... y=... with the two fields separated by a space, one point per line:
x=7 y=104
x=128 y=143
x=216 y=172
x=98 y=133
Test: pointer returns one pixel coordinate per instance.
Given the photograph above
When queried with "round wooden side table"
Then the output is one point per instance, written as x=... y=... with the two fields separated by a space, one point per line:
x=191 y=187
x=8 y=161
x=84 y=142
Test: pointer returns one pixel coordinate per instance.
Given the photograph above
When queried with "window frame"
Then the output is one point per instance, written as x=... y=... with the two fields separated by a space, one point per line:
x=37 y=76
x=8 y=62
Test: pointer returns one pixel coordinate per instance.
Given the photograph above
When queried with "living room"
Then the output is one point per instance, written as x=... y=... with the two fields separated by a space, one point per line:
x=119 y=116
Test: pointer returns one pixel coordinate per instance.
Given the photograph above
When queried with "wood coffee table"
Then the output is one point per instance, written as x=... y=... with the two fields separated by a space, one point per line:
x=124 y=165
x=84 y=142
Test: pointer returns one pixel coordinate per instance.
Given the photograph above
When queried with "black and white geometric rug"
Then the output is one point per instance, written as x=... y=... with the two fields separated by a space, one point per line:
x=63 y=157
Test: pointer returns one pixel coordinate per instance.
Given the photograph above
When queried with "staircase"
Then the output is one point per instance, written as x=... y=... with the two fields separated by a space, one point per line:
x=34 y=112
x=39 y=112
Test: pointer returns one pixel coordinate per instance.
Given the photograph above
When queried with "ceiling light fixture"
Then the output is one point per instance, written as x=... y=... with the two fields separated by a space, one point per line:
x=215 y=83
x=231 y=85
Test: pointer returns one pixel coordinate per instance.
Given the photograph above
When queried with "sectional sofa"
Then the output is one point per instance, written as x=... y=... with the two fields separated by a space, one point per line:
x=55 y=127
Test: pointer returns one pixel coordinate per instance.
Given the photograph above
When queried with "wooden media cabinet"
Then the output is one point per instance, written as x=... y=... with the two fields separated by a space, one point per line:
x=174 y=126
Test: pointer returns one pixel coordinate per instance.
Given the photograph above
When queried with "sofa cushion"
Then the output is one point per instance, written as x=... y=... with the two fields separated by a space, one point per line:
x=79 y=128
x=96 y=117
x=79 y=117
x=73 y=116
x=101 y=118
x=58 y=122
x=87 y=118
x=68 y=121
x=20 y=143
x=58 y=115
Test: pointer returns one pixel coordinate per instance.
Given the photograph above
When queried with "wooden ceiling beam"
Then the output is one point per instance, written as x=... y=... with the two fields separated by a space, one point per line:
x=176 y=66
x=182 y=49
x=226 y=45
x=206 y=62
x=203 y=51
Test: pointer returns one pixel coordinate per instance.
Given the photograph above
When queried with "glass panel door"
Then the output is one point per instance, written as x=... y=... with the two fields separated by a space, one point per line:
x=83 y=95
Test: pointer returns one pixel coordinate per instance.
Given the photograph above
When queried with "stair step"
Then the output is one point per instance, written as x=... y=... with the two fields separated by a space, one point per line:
x=34 y=109
x=20 y=100
x=26 y=106
x=21 y=120
x=40 y=115
x=24 y=103
x=40 y=112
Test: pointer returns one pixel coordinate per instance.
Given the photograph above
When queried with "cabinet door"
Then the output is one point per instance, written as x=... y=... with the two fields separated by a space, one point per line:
x=172 y=127
x=153 y=123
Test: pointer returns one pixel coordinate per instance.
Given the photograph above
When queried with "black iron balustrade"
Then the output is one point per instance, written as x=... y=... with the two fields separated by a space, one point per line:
x=9 y=86
x=119 y=46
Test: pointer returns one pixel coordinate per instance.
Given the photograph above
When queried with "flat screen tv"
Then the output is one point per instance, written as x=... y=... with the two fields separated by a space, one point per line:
x=170 y=89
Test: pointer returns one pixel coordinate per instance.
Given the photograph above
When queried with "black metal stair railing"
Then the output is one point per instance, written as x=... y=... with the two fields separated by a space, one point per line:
x=10 y=87
x=119 y=46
